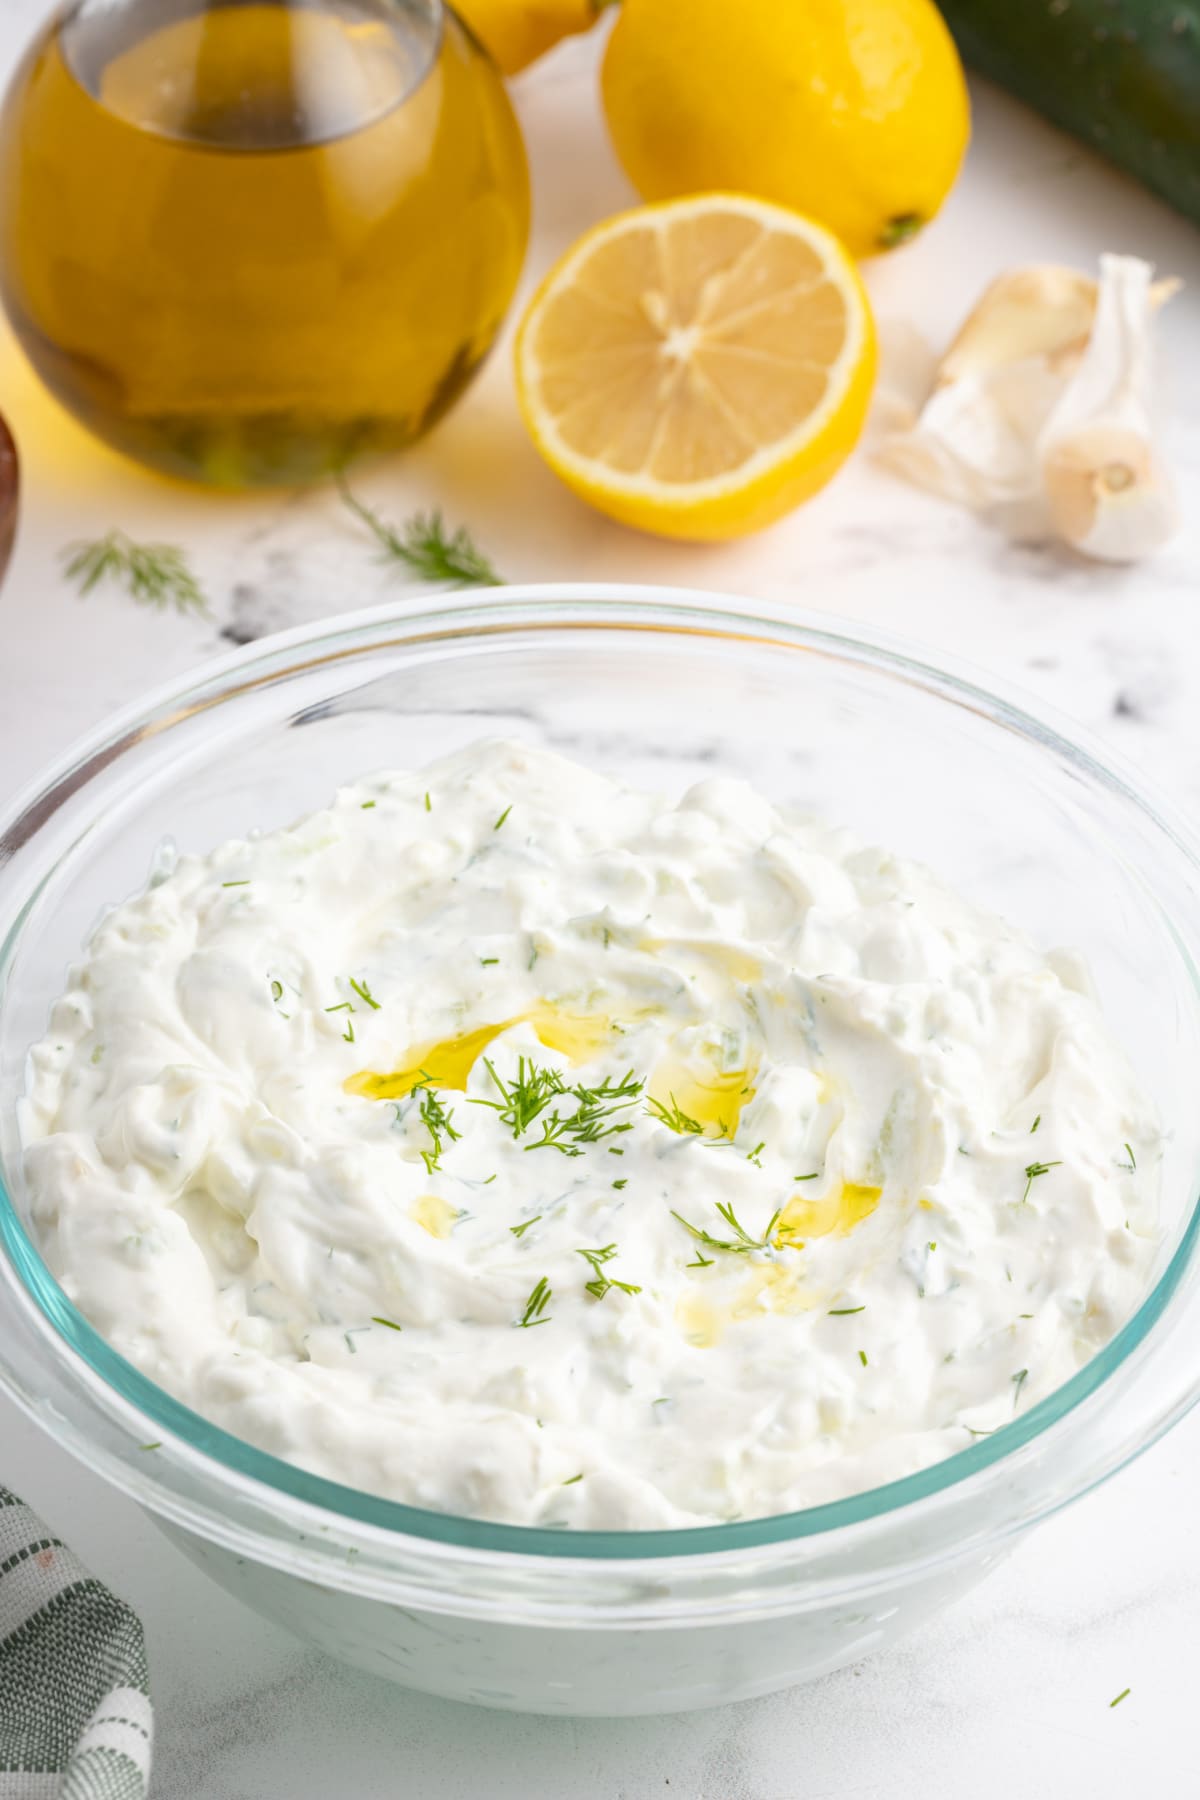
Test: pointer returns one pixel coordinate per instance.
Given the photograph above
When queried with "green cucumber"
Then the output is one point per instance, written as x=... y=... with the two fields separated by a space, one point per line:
x=1123 y=75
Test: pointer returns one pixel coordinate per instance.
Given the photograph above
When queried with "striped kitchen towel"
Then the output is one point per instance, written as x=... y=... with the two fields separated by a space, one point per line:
x=75 y=1721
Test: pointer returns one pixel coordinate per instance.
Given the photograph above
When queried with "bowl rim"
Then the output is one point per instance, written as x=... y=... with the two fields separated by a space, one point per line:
x=594 y=606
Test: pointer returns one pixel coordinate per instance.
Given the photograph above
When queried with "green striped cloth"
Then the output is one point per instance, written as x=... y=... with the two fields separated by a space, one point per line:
x=75 y=1720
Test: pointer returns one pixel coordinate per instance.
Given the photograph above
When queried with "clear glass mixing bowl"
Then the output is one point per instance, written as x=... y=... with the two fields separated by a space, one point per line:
x=656 y=686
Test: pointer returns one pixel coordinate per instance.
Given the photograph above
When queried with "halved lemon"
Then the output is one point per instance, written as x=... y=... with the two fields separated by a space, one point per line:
x=698 y=368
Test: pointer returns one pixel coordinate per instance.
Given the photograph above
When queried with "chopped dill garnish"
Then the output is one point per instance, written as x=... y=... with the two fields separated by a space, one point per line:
x=364 y=993
x=438 y=1121
x=390 y=1323
x=1019 y=1380
x=536 y=1305
x=862 y=1357
x=235 y=883
x=624 y=1182
x=346 y=1007
x=153 y=574
x=520 y=1230
x=738 y=1245
x=674 y=1118
x=423 y=545
x=594 y=1117
x=844 y=1312
x=1035 y=1124
x=1125 y=1692
x=572 y=1479
x=503 y=816
x=1034 y=1169
x=601 y=1283
x=525 y=1097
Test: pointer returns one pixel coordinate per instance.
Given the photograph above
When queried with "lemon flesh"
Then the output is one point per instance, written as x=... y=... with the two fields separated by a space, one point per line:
x=697 y=369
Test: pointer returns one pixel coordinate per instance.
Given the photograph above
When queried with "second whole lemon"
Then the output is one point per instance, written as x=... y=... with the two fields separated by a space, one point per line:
x=854 y=112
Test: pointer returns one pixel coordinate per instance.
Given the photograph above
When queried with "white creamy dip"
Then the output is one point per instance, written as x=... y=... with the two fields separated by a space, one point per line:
x=744 y=1168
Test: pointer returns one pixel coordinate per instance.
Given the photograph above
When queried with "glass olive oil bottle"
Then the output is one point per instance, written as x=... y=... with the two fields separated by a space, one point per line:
x=245 y=240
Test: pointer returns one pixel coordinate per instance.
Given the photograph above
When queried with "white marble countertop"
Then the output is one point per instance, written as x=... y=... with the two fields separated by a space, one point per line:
x=1008 y=1692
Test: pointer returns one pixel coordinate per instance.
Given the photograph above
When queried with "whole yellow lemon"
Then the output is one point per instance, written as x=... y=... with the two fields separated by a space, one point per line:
x=854 y=112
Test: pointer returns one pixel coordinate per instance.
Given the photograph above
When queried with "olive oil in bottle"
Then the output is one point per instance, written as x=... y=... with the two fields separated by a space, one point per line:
x=245 y=240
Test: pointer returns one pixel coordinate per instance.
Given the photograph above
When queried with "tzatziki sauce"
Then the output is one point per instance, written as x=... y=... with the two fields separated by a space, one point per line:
x=510 y=1143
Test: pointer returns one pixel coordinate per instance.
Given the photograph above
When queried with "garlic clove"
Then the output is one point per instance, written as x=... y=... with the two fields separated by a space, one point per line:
x=1109 y=494
x=1043 y=311
x=1107 y=488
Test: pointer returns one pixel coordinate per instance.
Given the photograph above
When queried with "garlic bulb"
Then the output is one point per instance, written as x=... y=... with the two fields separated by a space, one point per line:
x=1037 y=414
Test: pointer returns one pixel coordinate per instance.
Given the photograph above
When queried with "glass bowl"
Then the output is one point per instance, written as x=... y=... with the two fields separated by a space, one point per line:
x=656 y=686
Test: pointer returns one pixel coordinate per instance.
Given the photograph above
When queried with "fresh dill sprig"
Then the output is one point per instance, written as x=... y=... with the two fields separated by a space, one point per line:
x=523 y=1098
x=520 y=1230
x=152 y=574
x=674 y=1117
x=438 y=1121
x=364 y=993
x=1034 y=1169
x=424 y=546
x=594 y=1117
x=601 y=1284
x=535 y=1306
x=740 y=1243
